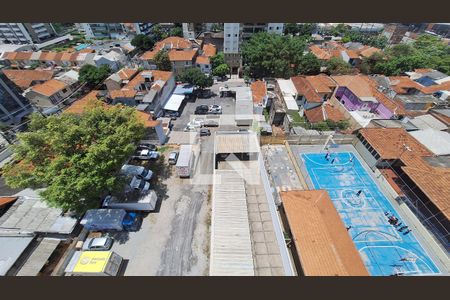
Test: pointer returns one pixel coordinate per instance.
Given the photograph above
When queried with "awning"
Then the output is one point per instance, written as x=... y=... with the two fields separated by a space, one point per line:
x=174 y=102
x=183 y=89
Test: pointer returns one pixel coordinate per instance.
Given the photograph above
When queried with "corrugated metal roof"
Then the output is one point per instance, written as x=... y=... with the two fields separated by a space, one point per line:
x=427 y=122
x=39 y=257
x=244 y=142
x=231 y=248
x=33 y=215
x=11 y=247
x=436 y=141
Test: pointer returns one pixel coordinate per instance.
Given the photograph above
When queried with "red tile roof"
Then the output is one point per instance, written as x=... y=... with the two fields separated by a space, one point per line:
x=157 y=75
x=49 y=87
x=25 y=78
x=324 y=112
x=123 y=93
x=209 y=50
x=127 y=74
x=173 y=42
x=182 y=55
x=304 y=88
x=319 y=52
x=259 y=90
x=323 y=244
x=202 y=60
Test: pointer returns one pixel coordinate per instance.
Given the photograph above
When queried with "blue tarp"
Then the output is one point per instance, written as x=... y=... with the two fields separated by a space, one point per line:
x=183 y=89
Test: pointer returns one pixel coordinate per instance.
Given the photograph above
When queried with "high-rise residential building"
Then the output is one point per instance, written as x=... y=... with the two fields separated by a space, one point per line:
x=26 y=33
x=235 y=33
x=103 y=30
x=13 y=106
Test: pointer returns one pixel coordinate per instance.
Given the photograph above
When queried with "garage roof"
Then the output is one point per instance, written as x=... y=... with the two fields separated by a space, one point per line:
x=174 y=102
x=236 y=142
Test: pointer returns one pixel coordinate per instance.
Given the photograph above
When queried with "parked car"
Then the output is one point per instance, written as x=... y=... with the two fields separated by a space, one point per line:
x=210 y=123
x=173 y=157
x=215 y=109
x=146 y=154
x=138 y=171
x=205 y=132
x=201 y=110
x=97 y=244
x=190 y=128
x=138 y=184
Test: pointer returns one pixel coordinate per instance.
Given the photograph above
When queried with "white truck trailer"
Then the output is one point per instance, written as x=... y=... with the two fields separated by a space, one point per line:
x=185 y=162
x=145 y=203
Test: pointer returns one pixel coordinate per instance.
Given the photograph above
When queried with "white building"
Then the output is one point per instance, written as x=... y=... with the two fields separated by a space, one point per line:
x=102 y=30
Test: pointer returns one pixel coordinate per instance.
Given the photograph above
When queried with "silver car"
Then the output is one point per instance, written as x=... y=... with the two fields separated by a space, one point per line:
x=173 y=157
x=98 y=244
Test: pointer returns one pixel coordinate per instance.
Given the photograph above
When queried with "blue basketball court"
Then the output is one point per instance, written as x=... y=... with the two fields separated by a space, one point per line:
x=384 y=249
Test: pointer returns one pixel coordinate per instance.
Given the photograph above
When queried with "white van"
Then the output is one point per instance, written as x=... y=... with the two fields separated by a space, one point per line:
x=139 y=171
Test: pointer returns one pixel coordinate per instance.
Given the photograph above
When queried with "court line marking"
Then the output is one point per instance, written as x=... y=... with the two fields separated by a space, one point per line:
x=409 y=252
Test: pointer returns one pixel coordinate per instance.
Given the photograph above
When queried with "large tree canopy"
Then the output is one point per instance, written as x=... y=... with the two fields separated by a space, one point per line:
x=142 y=42
x=337 y=66
x=221 y=70
x=272 y=55
x=426 y=52
x=92 y=76
x=309 y=65
x=196 y=77
x=162 y=61
x=75 y=157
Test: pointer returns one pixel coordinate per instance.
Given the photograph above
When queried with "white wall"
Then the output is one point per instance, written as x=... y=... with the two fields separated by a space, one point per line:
x=231 y=37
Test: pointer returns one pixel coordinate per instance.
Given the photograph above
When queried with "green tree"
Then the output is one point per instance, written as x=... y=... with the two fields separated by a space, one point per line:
x=309 y=65
x=76 y=158
x=290 y=28
x=217 y=60
x=176 y=31
x=272 y=55
x=340 y=30
x=143 y=42
x=162 y=61
x=158 y=33
x=221 y=70
x=337 y=66
x=93 y=76
x=196 y=77
x=216 y=27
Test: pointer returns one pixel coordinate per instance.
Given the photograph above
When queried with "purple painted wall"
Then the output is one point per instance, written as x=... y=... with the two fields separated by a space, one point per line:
x=352 y=102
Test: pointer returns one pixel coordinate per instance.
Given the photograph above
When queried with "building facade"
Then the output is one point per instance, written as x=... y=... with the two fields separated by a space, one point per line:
x=103 y=30
x=13 y=106
x=26 y=33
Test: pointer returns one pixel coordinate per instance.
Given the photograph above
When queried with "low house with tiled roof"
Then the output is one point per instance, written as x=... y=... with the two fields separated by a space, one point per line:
x=312 y=91
x=27 y=78
x=119 y=79
x=421 y=177
x=154 y=128
x=334 y=49
x=151 y=89
x=259 y=96
x=326 y=111
x=51 y=93
x=203 y=60
x=182 y=54
x=359 y=96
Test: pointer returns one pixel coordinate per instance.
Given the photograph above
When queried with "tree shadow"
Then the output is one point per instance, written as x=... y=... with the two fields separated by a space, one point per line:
x=120 y=237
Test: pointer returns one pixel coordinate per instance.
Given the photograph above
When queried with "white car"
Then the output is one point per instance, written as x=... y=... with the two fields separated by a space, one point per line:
x=215 y=109
x=97 y=244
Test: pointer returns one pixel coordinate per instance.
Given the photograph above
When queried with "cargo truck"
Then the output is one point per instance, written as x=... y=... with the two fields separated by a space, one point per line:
x=110 y=220
x=185 y=162
x=94 y=263
x=144 y=203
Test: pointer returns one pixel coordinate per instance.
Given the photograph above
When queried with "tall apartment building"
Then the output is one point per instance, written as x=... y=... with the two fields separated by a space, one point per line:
x=26 y=33
x=13 y=106
x=236 y=33
x=103 y=30
x=143 y=28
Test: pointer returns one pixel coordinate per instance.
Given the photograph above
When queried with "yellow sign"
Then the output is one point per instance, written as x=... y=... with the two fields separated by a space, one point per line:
x=92 y=262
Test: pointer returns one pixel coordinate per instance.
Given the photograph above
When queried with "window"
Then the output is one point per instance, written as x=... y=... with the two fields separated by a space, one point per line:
x=228 y=35
x=278 y=28
x=235 y=34
x=64 y=90
x=270 y=28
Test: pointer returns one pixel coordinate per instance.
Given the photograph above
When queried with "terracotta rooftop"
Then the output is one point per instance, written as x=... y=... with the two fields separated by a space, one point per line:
x=304 y=88
x=323 y=244
x=321 y=83
x=182 y=55
x=363 y=86
x=148 y=55
x=25 y=78
x=401 y=84
x=209 y=50
x=49 y=87
x=157 y=75
x=202 y=60
x=126 y=74
x=6 y=200
x=389 y=142
x=324 y=112
x=91 y=99
x=123 y=93
x=173 y=42
x=259 y=90
x=369 y=51
x=320 y=53
x=79 y=106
